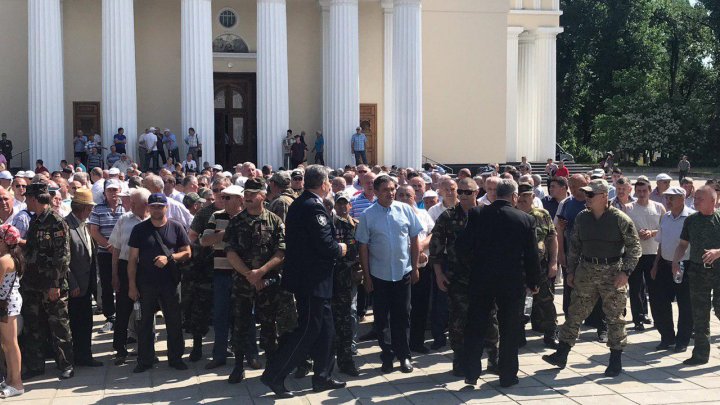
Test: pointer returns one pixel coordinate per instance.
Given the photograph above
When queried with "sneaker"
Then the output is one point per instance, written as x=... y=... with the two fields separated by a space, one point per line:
x=108 y=327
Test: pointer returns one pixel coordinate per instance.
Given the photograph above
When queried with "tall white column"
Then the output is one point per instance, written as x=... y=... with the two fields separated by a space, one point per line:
x=119 y=89
x=546 y=75
x=511 y=130
x=273 y=108
x=343 y=81
x=527 y=98
x=196 y=82
x=407 y=83
x=45 y=83
x=388 y=134
x=325 y=9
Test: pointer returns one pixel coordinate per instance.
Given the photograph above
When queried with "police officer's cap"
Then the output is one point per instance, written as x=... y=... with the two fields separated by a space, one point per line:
x=254 y=185
x=525 y=188
x=35 y=189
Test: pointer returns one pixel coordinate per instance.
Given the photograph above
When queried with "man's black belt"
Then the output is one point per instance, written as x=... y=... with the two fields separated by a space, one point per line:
x=602 y=260
x=704 y=265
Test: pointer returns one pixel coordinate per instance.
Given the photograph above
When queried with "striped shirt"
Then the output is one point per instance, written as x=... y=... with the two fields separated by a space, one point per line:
x=359 y=204
x=105 y=219
x=121 y=233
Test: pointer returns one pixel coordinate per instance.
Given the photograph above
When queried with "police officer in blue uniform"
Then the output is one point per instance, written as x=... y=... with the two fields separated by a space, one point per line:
x=310 y=256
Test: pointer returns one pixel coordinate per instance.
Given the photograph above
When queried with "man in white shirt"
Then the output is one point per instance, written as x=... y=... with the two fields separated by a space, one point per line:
x=646 y=214
x=151 y=150
x=448 y=192
x=123 y=164
x=490 y=186
x=175 y=209
x=98 y=185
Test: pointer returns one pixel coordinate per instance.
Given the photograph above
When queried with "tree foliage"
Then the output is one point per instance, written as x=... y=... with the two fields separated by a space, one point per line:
x=640 y=77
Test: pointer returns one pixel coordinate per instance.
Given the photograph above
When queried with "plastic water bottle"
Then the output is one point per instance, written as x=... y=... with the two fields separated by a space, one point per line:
x=528 y=305
x=138 y=313
x=678 y=278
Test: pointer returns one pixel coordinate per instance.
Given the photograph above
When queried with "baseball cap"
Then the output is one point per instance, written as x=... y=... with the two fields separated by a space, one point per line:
x=233 y=190
x=20 y=173
x=281 y=178
x=426 y=178
x=642 y=180
x=254 y=185
x=29 y=174
x=342 y=196
x=114 y=171
x=430 y=194
x=663 y=177
x=192 y=198
x=597 y=173
x=525 y=188
x=297 y=173
x=5 y=175
x=113 y=183
x=675 y=191
x=217 y=167
x=596 y=186
x=157 y=199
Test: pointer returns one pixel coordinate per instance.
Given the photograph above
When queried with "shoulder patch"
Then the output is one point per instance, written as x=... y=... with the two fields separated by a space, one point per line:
x=321 y=219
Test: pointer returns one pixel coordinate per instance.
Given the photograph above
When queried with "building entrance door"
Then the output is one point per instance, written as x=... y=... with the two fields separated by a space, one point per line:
x=368 y=123
x=235 y=119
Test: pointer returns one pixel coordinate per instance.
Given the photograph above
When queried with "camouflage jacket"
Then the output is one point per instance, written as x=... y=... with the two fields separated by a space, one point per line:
x=280 y=205
x=47 y=252
x=255 y=238
x=447 y=227
x=543 y=228
x=345 y=233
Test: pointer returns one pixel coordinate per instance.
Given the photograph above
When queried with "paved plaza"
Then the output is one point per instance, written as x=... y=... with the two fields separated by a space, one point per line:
x=650 y=377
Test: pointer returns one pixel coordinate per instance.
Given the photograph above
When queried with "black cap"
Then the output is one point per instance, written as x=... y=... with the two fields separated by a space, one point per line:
x=157 y=199
x=255 y=184
x=525 y=188
x=35 y=189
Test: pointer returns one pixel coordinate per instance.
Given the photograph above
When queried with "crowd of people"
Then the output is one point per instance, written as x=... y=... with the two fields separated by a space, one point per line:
x=304 y=253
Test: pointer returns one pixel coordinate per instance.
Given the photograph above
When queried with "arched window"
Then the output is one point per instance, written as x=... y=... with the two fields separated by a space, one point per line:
x=237 y=99
x=220 y=99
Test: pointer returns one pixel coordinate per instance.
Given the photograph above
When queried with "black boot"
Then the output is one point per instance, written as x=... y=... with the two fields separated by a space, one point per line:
x=492 y=365
x=559 y=358
x=550 y=340
x=196 y=353
x=615 y=367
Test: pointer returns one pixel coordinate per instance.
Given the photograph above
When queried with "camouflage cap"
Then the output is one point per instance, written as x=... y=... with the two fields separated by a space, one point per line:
x=525 y=188
x=255 y=185
x=596 y=186
x=281 y=178
x=192 y=198
x=35 y=189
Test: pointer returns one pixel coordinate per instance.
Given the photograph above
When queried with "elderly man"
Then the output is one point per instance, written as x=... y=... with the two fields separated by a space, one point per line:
x=175 y=209
x=663 y=183
x=123 y=164
x=5 y=179
x=701 y=231
x=499 y=246
x=688 y=184
x=490 y=190
x=604 y=250
x=7 y=207
x=646 y=215
x=156 y=247
x=136 y=213
x=366 y=198
x=81 y=278
x=664 y=289
x=389 y=252
x=418 y=185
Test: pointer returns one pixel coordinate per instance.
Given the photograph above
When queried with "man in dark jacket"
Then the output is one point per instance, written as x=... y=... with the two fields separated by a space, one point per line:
x=500 y=249
x=310 y=255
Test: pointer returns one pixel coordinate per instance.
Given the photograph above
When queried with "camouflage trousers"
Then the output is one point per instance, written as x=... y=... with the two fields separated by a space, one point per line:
x=343 y=316
x=593 y=282
x=544 y=314
x=704 y=284
x=459 y=304
x=196 y=301
x=42 y=319
x=274 y=310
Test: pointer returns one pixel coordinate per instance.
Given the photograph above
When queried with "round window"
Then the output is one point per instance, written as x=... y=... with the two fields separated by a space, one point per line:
x=227 y=18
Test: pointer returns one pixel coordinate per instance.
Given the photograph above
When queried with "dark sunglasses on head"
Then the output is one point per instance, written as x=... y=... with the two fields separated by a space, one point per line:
x=225 y=197
x=465 y=192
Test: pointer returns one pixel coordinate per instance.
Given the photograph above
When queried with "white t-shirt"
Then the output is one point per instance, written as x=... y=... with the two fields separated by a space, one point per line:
x=150 y=141
x=646 y=217
x=97 y=190
x=436 y=210
x=428 y=224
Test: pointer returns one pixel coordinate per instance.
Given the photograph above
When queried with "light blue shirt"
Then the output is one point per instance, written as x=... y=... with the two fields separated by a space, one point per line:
x=171 y=141
x=387 y=232
x=358 y=142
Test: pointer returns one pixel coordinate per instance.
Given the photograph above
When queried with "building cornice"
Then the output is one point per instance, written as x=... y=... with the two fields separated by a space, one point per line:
x=537 y=12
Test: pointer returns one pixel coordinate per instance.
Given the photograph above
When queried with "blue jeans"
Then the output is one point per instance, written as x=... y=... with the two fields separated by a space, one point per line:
x=222 y=289
x=360 y=157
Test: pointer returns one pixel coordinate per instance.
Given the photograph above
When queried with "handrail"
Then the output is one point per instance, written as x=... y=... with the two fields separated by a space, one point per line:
x=448 y=169
x=22 y=154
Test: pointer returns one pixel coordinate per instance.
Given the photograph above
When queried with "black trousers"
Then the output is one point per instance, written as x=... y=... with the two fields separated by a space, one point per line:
x=313 y=336
x=662 y=292
x=104 y=263
x=510 y=301
x=166 y=295
x=420 y=303
x=391 y=304
x=81 y=321
x=638 y=282
x=123 y=308
x=596 y=319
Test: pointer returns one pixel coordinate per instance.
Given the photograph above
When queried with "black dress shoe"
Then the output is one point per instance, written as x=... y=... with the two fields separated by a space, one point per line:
x=178 y=365
x=301 y=372
x=29 y=374
x=214 y=363
x=471 y=381
x=646 y=320
x=387 y=366
x=406 y=366
x=663 y=346
x=349 y=369
x=141 y=368
x=277 y=388
x=639 y=326
x=88 y=363
x=120 y=360
x=437 y=345
x=508 y=382
x=695 y=361
x=602 y=336
x=237 y=375
x=550 y=342
x=327 y=385
x=254 y=363
x=680 y=348
x=420 y=349
x=67 y=373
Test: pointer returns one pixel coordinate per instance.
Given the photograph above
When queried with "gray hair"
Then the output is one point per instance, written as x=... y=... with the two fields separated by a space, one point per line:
x=155 y=182
x=315 y=176
x=506 y=188
x=537 y=179
x=141 y=193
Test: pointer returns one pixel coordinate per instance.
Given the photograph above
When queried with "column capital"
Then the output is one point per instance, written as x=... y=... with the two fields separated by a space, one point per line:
x=387 y=5
x=398 y=3
x=514 y=32
x=527 y=37
x=324 y=4
x=548 y=31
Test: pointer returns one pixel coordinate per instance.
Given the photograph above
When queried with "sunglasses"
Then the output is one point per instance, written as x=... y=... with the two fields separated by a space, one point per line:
x=297 y=178
x=465 y=192
x=590 y=194
x=20 y=186
x=217 y=190
x=202 y=185
x=362 y=172
x=226 y=197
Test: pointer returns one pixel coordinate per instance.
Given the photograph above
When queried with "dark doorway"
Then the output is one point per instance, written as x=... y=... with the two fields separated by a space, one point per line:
x=86 y=117
x=235 y=119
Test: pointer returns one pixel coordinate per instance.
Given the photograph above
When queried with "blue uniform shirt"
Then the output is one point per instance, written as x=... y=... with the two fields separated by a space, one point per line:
x=387 y=232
